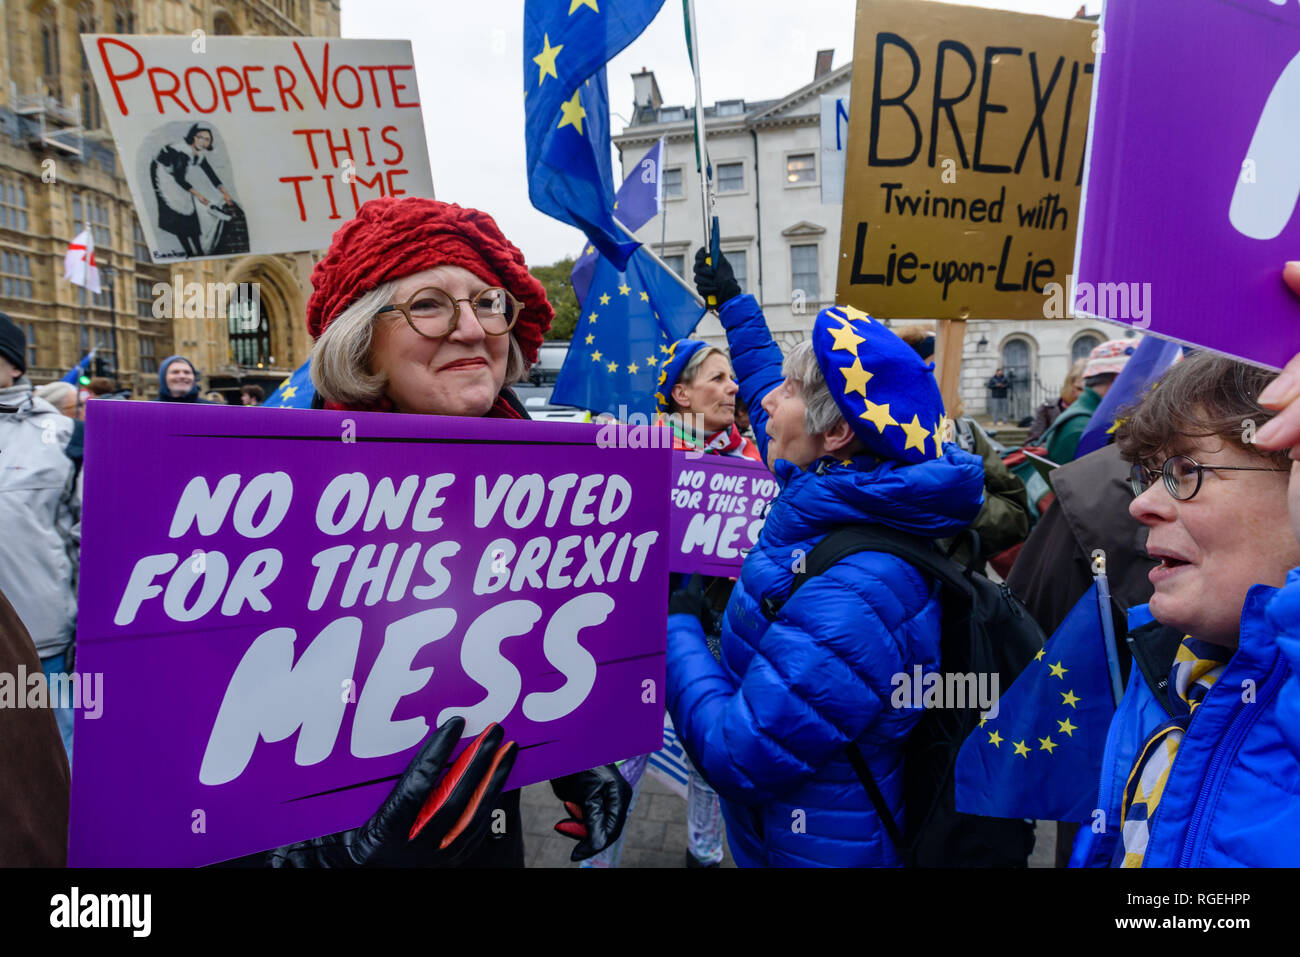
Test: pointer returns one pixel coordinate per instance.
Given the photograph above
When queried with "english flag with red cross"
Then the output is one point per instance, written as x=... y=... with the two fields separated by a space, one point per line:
x=79 y=262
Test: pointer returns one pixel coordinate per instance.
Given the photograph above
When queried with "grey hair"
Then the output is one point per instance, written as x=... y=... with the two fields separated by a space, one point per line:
x=340 y=360
x=692 y=369
x=820 y=411
x=56 y=393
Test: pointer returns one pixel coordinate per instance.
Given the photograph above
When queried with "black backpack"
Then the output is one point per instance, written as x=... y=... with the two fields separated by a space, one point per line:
x=985 y=630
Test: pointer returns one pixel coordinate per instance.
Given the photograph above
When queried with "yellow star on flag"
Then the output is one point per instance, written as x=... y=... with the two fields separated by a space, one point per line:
x=612 y=367
x=846 y=339
x=940 y=430
x=1021 y=749
x=856 y=378
x=666 y=350
x=983 y=718
x=575 y=4
x=604 y=299
x=589 y=250
x=624 y=289
x=1047 y=744
x=590 y=337
x=1058 y=671
x=573 y=113
x=878 y=415
x=995 y=739
x=1068 y=697
x=1039 y=656
x=632 y=368
x=595 y=356
x=592 y=317
x=916 y=435
x=546 y=59
x=651 y=361
x=1067 y=727
x=289 y=392
x=645 y=297
x=856 y=314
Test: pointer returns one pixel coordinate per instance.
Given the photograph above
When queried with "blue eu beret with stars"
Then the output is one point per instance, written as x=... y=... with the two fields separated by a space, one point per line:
x=679 y=354
x=884 y=390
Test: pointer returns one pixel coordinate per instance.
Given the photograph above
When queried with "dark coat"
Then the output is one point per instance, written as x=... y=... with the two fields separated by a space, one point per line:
x=176 y=163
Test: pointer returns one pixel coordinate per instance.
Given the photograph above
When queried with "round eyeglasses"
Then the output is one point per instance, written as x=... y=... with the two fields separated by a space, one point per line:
x=1182 y=476
x=433 y=312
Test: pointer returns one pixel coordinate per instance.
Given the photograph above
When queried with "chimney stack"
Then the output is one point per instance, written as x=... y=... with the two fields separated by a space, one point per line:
x=823 y=66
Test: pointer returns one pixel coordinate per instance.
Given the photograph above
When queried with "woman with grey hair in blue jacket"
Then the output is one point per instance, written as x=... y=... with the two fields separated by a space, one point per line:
x=851 y=425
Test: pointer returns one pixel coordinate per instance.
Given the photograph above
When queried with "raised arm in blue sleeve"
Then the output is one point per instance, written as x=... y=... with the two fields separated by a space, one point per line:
x=755 y=356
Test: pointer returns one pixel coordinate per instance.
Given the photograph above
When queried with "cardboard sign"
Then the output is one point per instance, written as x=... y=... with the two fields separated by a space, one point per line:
x=282 y=606
x=966 y=145
x=719 y=503
x=238 y=145
x=1192 y=203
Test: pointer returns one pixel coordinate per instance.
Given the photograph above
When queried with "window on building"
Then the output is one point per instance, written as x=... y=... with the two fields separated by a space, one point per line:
x=677 y=264
x=30 y=329
x=144 y=298
x=801 y=168
x=729 y=108
x=250 y=334
x=47 y=53
x=13 y=204
x=148 y=354
x=740 y=266
x=672 y=180
x=123 y=19
x=731 y=177
x=90 y=111
x=672 y=114
x=223 y=26
x=16 y=275
x=803 y=272
x=1084 y=345
x=92 y=211
x=103 y=339
x=141 y=247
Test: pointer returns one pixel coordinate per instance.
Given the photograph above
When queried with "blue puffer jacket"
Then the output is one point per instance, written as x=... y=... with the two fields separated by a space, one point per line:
x=769 y=724
x=1232 y=798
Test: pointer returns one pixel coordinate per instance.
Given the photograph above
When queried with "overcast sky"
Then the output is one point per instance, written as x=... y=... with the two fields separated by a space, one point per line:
x=469 y=63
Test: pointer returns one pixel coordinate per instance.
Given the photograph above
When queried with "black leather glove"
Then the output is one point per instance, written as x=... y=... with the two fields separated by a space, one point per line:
x=597 y=802
x=715 y=280
x=691 y=600
x=420 y=825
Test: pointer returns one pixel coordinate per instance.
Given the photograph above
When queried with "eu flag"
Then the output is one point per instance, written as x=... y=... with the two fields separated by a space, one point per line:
x=637 y=202
x=566 y=110
x=1040 y=757
x=1148 y=363
x=629 y=319
x=295 y=392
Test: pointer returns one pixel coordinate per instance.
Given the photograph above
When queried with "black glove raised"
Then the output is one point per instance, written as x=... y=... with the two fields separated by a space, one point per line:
x=597 y=802
x=420 y=825
x=715 y=280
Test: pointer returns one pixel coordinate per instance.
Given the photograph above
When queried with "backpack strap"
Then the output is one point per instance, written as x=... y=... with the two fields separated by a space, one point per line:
x=877 y=799
x=851 y=539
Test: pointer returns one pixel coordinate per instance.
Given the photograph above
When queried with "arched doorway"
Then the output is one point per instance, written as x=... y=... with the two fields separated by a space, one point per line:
x=1018 y=366
x=1084 y=345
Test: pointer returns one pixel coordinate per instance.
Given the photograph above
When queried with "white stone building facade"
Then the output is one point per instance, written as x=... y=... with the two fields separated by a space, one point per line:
x=784 y=242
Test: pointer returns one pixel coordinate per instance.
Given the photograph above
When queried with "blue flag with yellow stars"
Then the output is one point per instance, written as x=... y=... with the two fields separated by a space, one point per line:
x=637 y=202
x=1038 y=754
x=295 y=392
x=629 y=321
x=1149 y=362
x=566 y=110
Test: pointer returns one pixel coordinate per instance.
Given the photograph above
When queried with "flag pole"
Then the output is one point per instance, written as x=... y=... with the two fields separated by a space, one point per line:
x=701 y=143
x=681 y=281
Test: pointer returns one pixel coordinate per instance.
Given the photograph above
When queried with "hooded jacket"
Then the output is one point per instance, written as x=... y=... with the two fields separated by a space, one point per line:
x=40 y=517
x=768 y=725
x=165 y=395
x=1232 y=797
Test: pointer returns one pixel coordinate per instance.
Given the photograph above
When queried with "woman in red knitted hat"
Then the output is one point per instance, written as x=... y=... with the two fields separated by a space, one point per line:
x=426 y=308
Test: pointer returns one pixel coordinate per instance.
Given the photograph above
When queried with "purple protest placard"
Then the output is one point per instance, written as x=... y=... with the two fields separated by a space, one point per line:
x=283 y=605
x=1190 y=205
x=718 y=506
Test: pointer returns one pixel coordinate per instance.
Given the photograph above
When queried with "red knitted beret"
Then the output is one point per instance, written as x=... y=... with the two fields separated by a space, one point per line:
x=391 y=238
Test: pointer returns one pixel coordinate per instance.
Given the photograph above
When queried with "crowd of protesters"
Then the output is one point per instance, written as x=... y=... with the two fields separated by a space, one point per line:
x=778 y=685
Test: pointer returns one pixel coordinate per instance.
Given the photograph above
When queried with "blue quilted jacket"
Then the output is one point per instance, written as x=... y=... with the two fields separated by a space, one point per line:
x=768 y=725
x=1232 y=798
